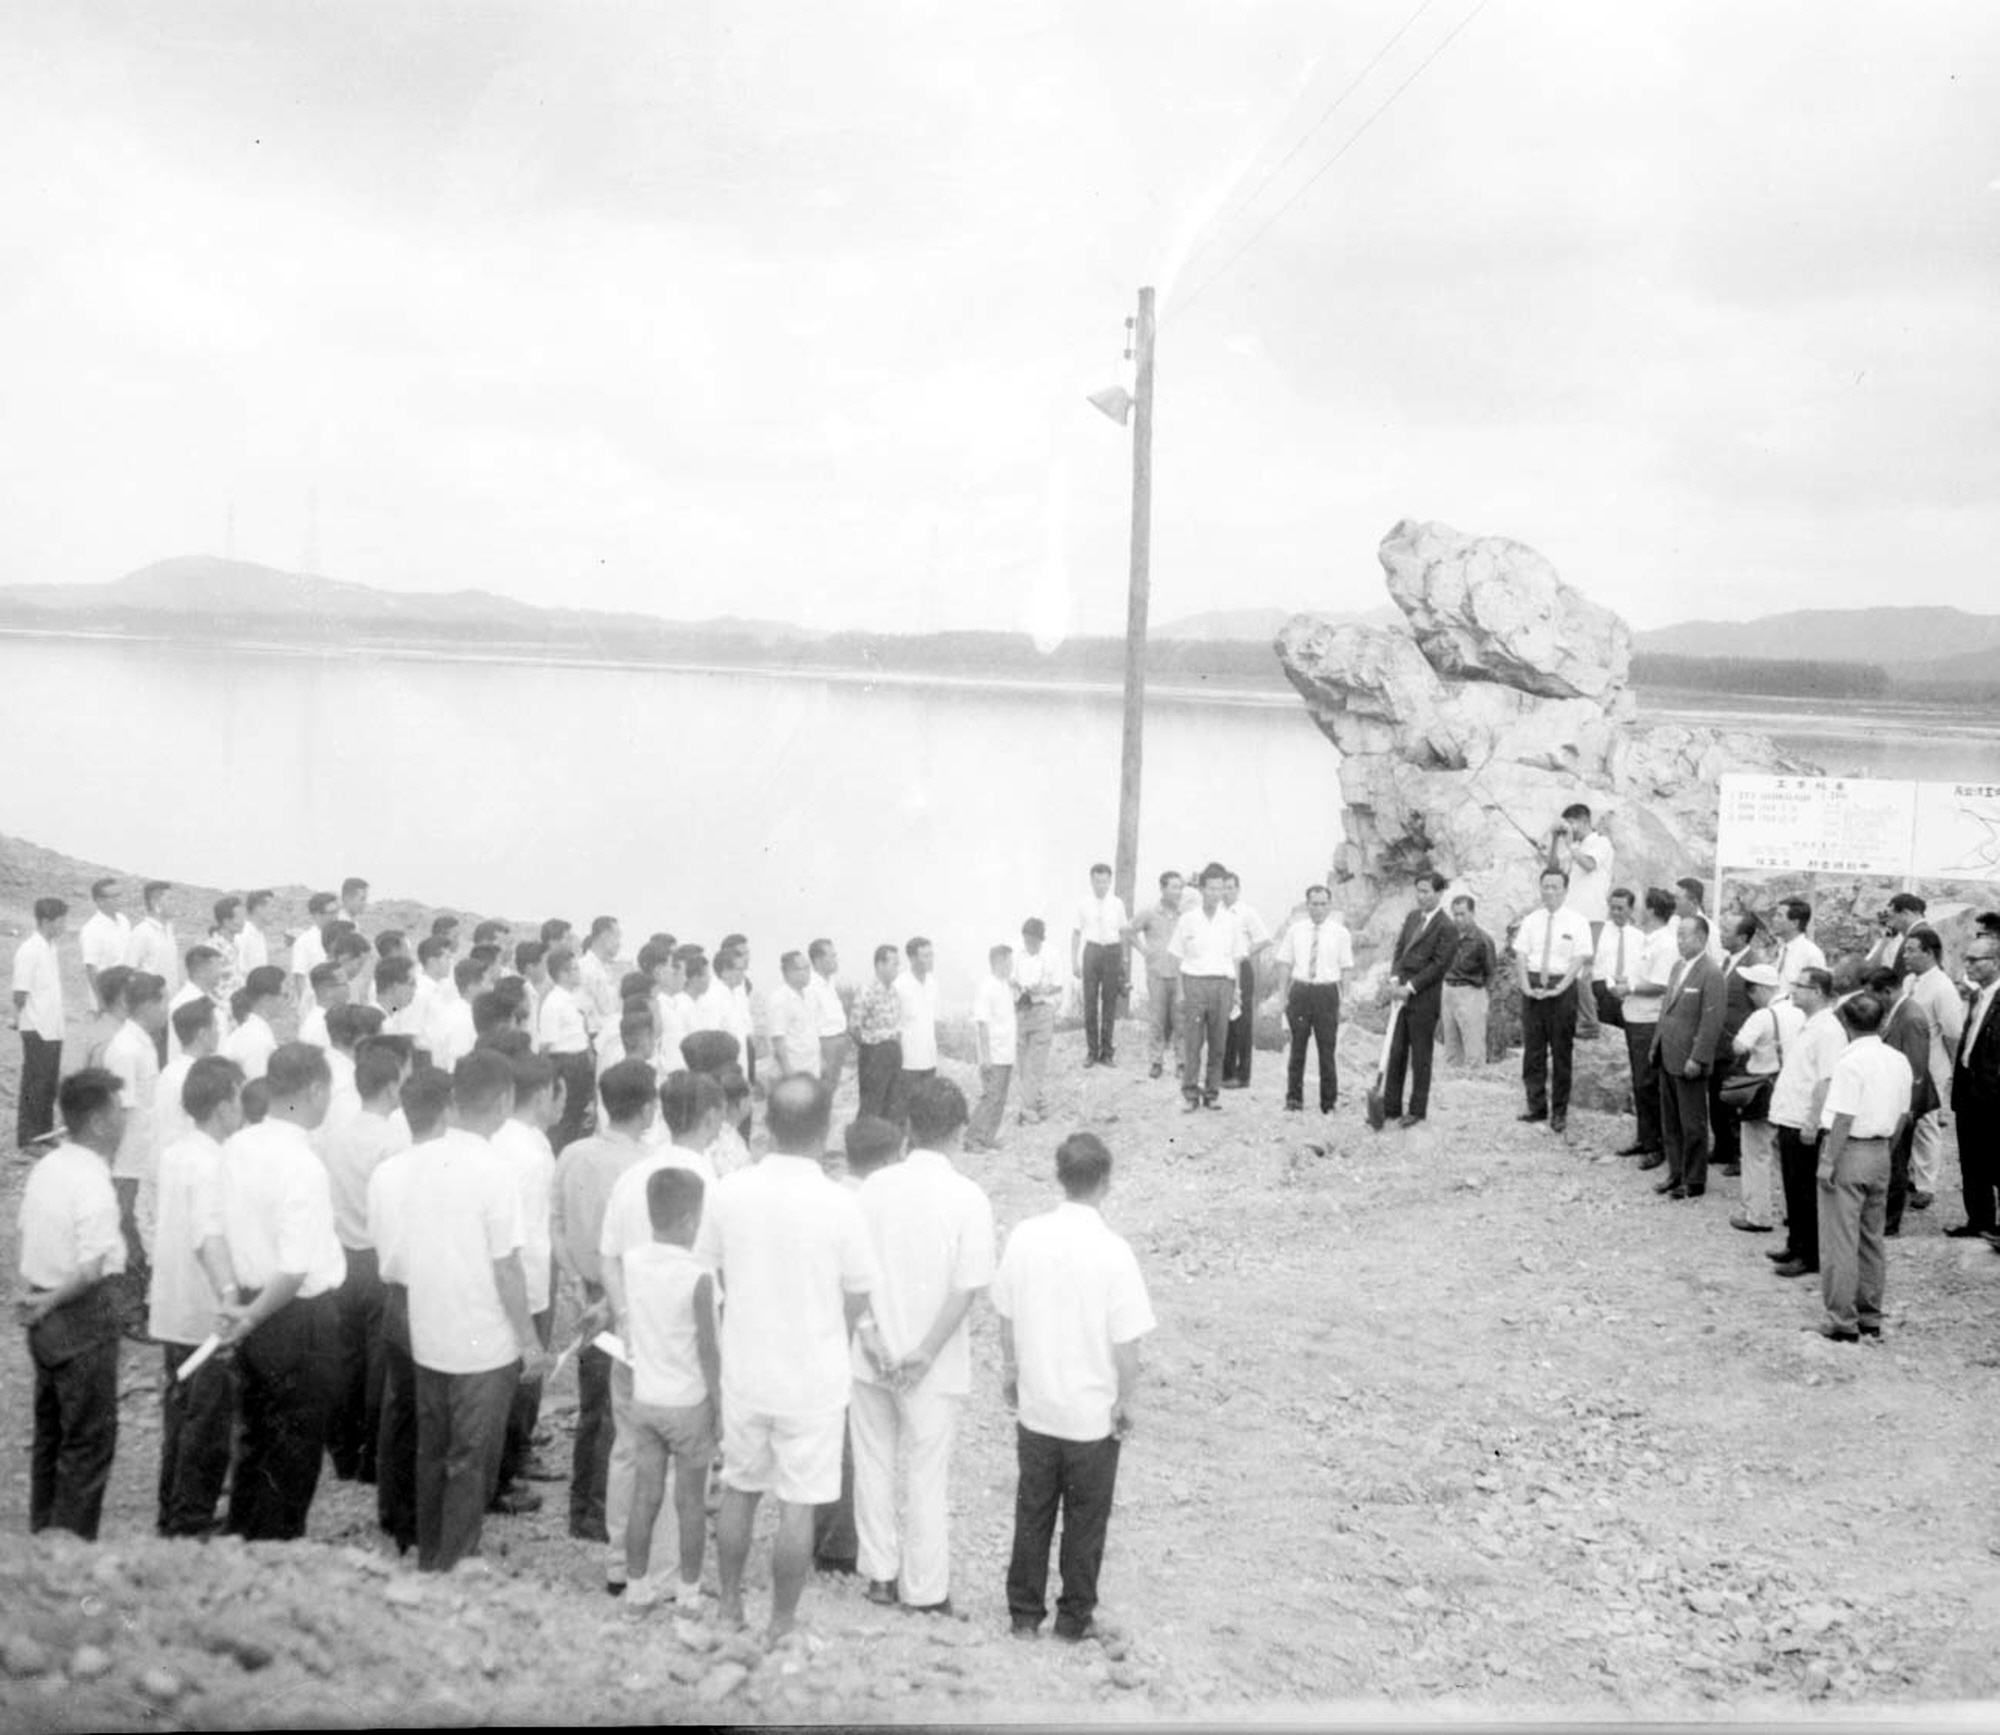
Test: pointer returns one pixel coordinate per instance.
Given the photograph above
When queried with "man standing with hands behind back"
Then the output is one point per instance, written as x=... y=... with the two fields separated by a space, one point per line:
x=1683 y=1050
x=1424 y=950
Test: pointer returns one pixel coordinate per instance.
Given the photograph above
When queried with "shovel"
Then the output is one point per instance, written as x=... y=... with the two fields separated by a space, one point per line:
x=1377 y=1114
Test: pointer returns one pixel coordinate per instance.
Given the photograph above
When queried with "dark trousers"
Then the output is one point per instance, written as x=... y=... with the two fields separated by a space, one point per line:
x=75 y=1352
x=1899 y=1178
x=1102 y=977
x=1978 y=1155
x=1240 y=1044
x=834 y=1541
x=1548 y=1051
x=1204 y=1030
x=1684 y=1127
x=357 y=1409
x=1076 y=1478
x=1725 y=1126
x=1645 y=1084
x=1312 y=1009
x=1798 y=1169
x=197 y=1422
x=396 y=1439
x=1411 y=1051
x=578 y=1073
x=287 y=1376
x=590 y=1459
x=907 y=1081
x=41 y=1071
x=526 y=1411
x=461 y=1427
x=876 y=1067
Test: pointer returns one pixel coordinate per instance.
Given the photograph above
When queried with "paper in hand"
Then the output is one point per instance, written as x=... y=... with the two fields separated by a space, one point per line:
x=194 y=1363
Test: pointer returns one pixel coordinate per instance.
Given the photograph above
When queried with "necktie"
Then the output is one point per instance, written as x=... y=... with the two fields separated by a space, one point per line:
x=1312 y=960
x=1618 y=974
x=1548 y=941
x=1674 y=981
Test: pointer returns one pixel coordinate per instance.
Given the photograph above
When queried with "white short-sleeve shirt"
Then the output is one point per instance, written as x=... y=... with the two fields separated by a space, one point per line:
x=560 y=1023
x=277 y=1209
x=794 y=1021
x=1209 y=945
x=932 y=1231
x=38 y=975
x=993 y=1009
x=69 y=1216
x=789 y=1245
x=918 y=1003
x=251 y=1045
x=531 y=1160
x=1620 y=955
x=180 y=1302
x=170 y=1120
x=1333 y=955
x=1658 y=955
x=1797 y=954
x=1590 y=888
x=1872 y=1082
x=1549 y=943
x=103 y=940
x=1100 y=921
x=131 y=1058
x=353 y=1142
x=461 y=1213
x=151 y=947
x=1072 y=1290
x=823 y=994
x=660 y=1330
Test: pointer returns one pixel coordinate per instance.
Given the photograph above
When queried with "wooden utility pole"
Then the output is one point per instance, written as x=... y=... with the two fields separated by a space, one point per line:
x=1132 y=757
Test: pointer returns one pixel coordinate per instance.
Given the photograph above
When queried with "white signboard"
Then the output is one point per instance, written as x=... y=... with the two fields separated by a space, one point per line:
x=1957 y=832
x=1816 y=824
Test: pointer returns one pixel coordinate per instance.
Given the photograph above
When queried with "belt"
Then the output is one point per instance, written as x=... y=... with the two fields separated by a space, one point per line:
x=1857 y=1139
x=1462 y=982
x=1538 y=980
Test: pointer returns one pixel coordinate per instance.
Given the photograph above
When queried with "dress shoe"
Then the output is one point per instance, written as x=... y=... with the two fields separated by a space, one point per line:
x=1992 y=1238
x=1558 y=1123
x=1965 y=1232
x=1668 y=1186
x=1153 y=1071
x=883 y=1591
x=1090 y=1060
x=1410 y=1120
x=1694 y=1192
x=515 y=1502
x=1732 y=1168
x=1635 y=1151
x=1653 y=1161
x=1533 y=1115
x=1870 y=1330
x=929 y=1608
x=1795 y=1268
x=537 y=1470
x=1191 y=1106
x=1235 y=1084
x=1210 y=1102
x=1739 y=1221
x=1834 y=1334
x=1921 y=1201
x=1677 y=1193
x=1780 y=1255
x=1294 y=1106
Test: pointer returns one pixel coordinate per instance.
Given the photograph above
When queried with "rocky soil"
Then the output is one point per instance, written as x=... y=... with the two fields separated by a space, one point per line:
x=1461 y=1421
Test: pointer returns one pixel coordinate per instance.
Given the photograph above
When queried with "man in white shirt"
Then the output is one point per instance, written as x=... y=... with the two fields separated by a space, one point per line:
x=1209 y=943
x=38 y=1016
x=597 y=974
x=1928 y=983
x=1586 y=855
x=565 y=1038
x=791 y=1250
x=358 y=1135
x=691 y=1109
x=1640 y=988
x=1867 y=1101
x=1153 y=931
x=916 y=1029
x=1315 y=952
x=523 y=1146
x=152 y=947
x=191 y=1279
x=326 y=989
x=732 y=966
x=1790 y=917
x=1072 y=1308
x=994 y=1036
x=309 y=949
x=1037 y=988
x=470 y=1331
x=829 y=1007
x=704 y=1002
x=794 y=1025
x=931 y=1229
x=1795 y=1110
x=252 y=1043
x=132 y=1057
x=1551 y=950
x=70 y=1250
x=253 y=941
x=1759 y=1048
x=277 y=1217
x=196 y=1036
x=1096 y=959
x=206 y=966
x=105 y=936
x=1240 y=1043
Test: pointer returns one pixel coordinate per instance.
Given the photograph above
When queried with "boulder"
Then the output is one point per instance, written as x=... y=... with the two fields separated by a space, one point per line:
x=1486 y=608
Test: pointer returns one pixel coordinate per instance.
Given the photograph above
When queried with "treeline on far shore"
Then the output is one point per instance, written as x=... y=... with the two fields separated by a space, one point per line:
x=1780 y=678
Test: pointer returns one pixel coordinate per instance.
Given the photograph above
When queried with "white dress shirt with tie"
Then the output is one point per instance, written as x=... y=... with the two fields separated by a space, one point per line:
x=1317 y=953
x=1548 y=942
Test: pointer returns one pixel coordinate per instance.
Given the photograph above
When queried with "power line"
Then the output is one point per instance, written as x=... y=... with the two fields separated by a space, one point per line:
x=1346 y=145
x=1305 y=138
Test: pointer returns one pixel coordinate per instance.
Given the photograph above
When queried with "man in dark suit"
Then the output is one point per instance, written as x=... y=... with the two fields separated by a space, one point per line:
x=1975 y=1089
x=1740 y=948
x=1684 y=1051
x=1424 y=951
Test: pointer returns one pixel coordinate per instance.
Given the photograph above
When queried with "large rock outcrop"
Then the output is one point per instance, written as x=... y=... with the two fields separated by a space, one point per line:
x=1463 y=738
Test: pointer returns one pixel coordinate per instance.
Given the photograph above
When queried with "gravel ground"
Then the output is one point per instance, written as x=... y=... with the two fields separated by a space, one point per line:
x=1459 y=1422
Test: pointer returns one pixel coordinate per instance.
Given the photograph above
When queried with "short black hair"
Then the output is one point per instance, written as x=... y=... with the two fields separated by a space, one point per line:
x=390 y=972
x=1550 y=872
x=1576 y=810
x=445 y=926
x=480 y=1079
x=1660 y=902
x=885 y=952
x=142 y=988
x=390 y=941
x=1619 y=893
x=1909 y=903
x=320 y=902
x=1100 y=867
x=295 y=1067
x=937 y=1109
x=602 y=925
x=1438 y=883
x=626 y=1089
x=84 y=1094
x=113 y=984
x=818 y=949
x=191 y=1018
x=871 y=1143
x=376 y=1070
x=672 y=1194
x=553 y=930
x=709 y=1050
x=50 y=909
x=1862 y=1013
x=913 y=945
x=528 y=954
x=1798 y=910
x=1700 y=923
x=1083 y=1164
x=1813 y=977
x=1926 y=939
x=533 y=1074
x=426 y=1099
x=102 y=888
x=798 y=1112
x=685 y=1097
x=211 y=1082
x=353 y=883
x=265 y=981
x=325 y=975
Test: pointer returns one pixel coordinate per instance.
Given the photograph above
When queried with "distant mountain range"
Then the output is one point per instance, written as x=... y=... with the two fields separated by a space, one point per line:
x=201 y=597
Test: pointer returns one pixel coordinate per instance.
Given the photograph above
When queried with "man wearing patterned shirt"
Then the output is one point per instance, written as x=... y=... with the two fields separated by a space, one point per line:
x=878 y=1047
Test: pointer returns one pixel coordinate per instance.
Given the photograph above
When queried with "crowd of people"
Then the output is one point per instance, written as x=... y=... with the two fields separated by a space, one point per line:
x=351 y=1244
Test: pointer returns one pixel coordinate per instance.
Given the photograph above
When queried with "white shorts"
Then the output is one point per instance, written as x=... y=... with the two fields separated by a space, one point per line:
x=797 y=1458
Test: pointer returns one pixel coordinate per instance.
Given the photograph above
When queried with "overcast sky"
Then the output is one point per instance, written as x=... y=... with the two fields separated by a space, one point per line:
x=787 y=309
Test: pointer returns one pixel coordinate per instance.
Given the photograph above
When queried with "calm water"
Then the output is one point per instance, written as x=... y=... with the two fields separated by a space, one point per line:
x=784 y=806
